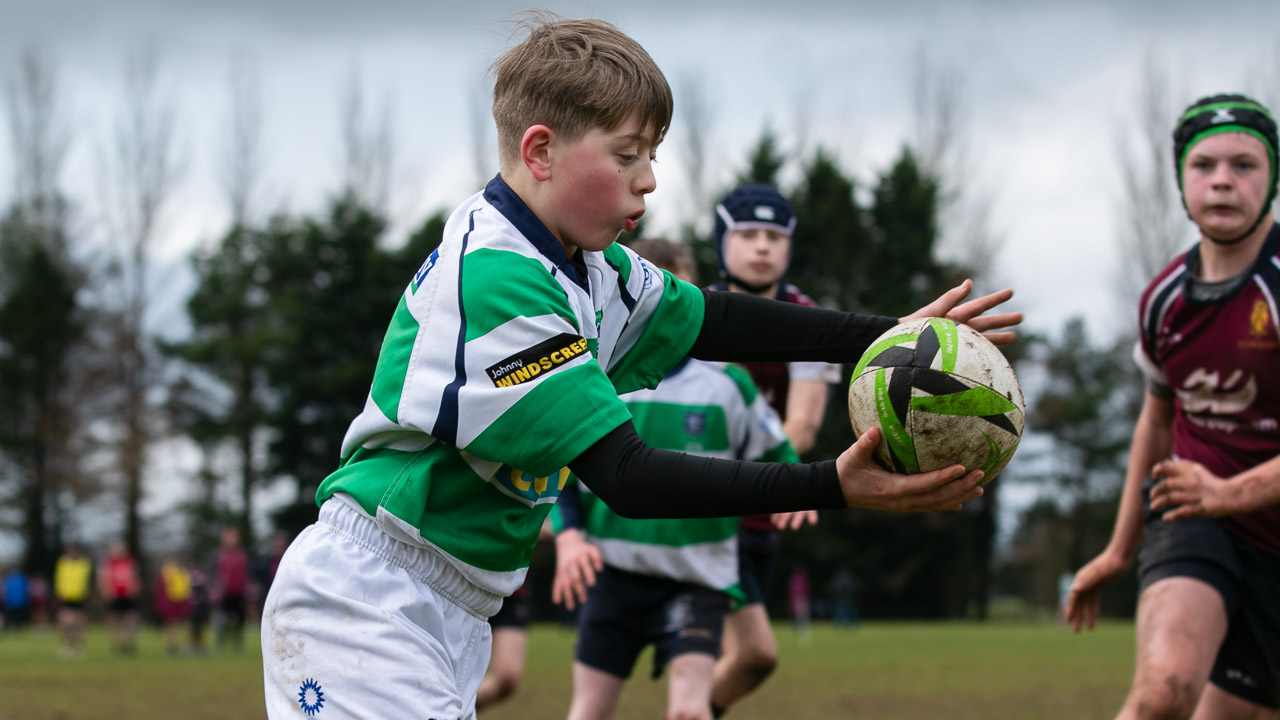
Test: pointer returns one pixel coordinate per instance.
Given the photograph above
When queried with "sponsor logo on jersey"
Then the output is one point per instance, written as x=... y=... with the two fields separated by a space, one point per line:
x=310 y=697
x=695 y=423
x=531 y=488
x=1259 y=319
x=532 y=362
x=426 y=268
x=648 y=276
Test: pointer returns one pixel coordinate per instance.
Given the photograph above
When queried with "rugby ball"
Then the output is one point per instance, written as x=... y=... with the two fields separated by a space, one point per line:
x=942 y=395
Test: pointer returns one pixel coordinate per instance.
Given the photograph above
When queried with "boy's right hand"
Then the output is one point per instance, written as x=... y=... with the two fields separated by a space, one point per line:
x=577 y=562
x=1084 y=600
x=867 y=485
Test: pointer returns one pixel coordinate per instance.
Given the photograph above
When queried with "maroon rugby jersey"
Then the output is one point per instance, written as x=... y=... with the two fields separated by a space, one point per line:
x=1222 y=360
x=774 y=379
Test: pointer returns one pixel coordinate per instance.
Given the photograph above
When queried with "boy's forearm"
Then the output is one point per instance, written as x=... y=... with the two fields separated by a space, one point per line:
x=1152 y=442
x=1259 y=486
x=743 y=328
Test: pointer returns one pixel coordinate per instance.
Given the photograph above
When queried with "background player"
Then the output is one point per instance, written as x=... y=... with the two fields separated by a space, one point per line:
x=1202 y=492
x=754 y=224
x=666 y=583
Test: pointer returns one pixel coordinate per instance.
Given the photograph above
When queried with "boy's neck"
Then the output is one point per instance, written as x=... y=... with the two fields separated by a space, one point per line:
x=768 y=293
x=527 y=189
x=1220 y=262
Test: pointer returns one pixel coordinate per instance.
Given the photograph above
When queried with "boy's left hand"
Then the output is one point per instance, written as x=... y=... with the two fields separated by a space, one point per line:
x=577 y=562
x=971 y=313
x=1191 y=490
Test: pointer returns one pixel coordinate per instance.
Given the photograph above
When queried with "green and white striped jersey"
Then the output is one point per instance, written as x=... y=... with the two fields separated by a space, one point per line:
x=502 y=364
x=704 y=409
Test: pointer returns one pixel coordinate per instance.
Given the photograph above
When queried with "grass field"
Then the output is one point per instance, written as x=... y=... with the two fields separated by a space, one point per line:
x=881 y=671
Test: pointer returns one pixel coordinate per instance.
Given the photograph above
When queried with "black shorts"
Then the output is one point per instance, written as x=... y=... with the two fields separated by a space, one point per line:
x=122 y=605
x=1247 y=578
x=515 y=611
x=626 y=611
x=757 y=555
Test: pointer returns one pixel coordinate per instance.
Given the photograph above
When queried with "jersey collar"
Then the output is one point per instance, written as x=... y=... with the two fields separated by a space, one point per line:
x=500 y=195
x=1270 y=247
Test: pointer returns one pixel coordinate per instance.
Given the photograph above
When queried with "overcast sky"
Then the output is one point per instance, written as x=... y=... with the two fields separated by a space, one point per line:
x=1047 y=88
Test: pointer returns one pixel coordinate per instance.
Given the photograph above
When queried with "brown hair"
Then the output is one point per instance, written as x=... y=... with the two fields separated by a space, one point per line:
x=574 y=76
x=666 y=255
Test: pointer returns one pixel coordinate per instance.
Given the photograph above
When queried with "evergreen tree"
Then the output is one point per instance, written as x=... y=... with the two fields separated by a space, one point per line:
x=42 y=333
x=333 y=291
x=230 y=343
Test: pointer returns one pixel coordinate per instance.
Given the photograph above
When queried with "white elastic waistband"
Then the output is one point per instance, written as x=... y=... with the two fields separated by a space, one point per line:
x=425 y=564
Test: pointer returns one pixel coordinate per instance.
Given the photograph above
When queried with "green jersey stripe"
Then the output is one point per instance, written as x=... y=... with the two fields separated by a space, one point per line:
x=665 y=340
x=519 y=436
x=498 y=286
x=393 y=361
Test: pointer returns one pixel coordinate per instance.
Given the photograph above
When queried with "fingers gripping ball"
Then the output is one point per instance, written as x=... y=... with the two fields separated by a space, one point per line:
x=942 y=394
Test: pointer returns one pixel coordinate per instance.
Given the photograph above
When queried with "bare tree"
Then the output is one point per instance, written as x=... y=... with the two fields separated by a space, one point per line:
x=140 y=169
x=43 y=375
x=696 y=119
x=941 y=143
x=1152 y=223
x=242 y=173
x=40 y=144
x=482 y=131
x=366 y=147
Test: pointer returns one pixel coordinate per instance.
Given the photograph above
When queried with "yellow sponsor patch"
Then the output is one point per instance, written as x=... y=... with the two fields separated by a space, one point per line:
x=532 y=362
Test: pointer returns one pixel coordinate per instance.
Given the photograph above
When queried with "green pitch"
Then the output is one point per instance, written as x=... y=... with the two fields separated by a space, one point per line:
x=887 y=671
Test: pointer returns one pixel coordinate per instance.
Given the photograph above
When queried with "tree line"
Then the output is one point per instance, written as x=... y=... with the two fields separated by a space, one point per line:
x=288 y=311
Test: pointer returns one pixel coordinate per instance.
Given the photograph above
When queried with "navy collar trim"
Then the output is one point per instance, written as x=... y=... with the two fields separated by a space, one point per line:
x=501 y=196
x=1270 y=247
x=684 y=362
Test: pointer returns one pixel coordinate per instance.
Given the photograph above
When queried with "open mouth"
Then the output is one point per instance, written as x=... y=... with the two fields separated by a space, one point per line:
x=631 y=223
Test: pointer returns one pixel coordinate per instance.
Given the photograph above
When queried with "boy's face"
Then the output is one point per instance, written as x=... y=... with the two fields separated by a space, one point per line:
x=756 y=255
x=598 y=184
x=1225 y=182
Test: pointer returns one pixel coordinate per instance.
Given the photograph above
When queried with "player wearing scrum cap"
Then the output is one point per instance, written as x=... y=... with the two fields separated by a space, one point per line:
x=753 y=228
x=1201 y=502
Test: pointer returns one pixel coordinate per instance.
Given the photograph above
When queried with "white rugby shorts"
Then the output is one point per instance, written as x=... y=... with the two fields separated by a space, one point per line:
x=359 y=625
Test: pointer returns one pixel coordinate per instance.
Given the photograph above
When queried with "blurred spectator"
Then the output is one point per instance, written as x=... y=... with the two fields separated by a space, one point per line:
x=120 y=586
x=38 y=588
x=844 y=598
x=17 y=600
x=173 y=601
x=232 y=586
x=71 y=585
x=798 y=600
x=201 y=608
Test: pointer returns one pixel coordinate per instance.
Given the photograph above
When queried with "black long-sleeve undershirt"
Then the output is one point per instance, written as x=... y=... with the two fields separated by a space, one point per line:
x=738 y=327
x=638 y=481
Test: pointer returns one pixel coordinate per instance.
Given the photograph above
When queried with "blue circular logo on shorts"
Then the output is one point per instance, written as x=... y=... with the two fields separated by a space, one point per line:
x=310 y=697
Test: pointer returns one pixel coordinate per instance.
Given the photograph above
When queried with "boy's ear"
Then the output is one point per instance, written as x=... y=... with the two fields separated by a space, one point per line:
x=535 y=151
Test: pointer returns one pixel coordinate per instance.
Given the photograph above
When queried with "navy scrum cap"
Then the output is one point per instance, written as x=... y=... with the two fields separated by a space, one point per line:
x=754 y=205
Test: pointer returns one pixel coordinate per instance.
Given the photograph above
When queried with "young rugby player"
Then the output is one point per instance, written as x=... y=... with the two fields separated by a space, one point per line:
x=1201 y=501
x=500 y=372
x=666 y=582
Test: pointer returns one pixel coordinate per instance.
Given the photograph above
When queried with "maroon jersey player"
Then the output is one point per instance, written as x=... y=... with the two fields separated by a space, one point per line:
x=1201 y=502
